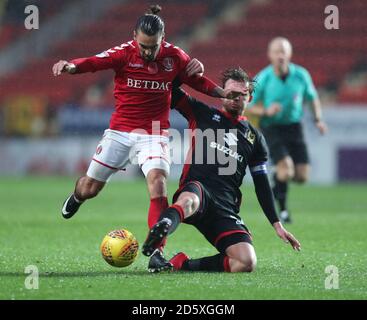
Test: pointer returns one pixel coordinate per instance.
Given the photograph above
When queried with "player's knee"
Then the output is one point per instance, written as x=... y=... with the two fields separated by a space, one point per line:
x=247 y=265
x=192 y=203
x=301 y=178
x=243 y=263
x=285 y=170
x=189 y=202
x=285 y=175
x=289 y=174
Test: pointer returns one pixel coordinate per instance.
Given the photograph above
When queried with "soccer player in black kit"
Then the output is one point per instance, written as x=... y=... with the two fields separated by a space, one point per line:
x=209 y=195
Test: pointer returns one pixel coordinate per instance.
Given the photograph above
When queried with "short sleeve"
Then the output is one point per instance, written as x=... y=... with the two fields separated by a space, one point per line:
x=310 y=92
x=258 y=94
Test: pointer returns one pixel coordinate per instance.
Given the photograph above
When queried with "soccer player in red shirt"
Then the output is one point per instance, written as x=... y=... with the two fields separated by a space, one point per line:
x=144 y=71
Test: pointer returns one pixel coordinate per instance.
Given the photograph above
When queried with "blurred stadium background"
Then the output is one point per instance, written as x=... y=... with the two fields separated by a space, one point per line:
x=51 y=126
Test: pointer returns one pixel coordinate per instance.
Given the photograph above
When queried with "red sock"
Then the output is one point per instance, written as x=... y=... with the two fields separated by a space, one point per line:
x=157 y=206
x=226 y=265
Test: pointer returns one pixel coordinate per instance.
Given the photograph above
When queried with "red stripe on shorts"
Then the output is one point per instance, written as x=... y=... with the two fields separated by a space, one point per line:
x=227 y=233
x=103 y=164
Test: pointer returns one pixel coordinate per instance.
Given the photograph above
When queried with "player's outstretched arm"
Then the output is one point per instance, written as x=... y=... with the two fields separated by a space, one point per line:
x=63 y=66
x=110 y=59
x=208 y=87
x=193 y=77
x=266 y=199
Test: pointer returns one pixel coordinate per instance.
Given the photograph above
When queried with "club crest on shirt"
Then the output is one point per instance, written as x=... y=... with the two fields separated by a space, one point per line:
x=250 y=136
x=168 y=64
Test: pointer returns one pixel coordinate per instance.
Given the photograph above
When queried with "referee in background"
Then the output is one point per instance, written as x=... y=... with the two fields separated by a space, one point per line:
x=281 y=89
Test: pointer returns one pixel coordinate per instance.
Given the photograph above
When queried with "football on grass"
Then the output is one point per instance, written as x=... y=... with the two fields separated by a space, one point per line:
x=119 y=248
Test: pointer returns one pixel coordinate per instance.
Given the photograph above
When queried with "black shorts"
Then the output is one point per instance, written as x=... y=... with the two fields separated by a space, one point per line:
x=221 y=228
x=286 y=140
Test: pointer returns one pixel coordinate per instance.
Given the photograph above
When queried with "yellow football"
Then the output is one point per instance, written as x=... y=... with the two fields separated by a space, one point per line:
x=119 y=248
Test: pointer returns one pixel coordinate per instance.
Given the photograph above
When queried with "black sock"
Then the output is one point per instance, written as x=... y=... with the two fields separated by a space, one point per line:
x=280 y=191
x=213 y=263
x=172 y=213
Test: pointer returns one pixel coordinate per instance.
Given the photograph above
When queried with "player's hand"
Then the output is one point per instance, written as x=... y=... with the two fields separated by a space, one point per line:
x=321 y=126
x=229 y=93
x=62 y=66
x=235 y=92
x=194 y=67
x=273 y=109
x=287 y=236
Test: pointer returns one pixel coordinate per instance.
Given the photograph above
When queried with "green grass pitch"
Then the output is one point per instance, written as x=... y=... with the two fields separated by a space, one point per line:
x=330 y=222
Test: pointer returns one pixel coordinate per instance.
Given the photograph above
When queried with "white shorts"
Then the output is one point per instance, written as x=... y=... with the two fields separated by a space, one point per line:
x=117 y=149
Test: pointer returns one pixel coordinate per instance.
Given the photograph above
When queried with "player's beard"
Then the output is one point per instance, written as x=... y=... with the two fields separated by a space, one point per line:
x=234 y=111
x=149 y=58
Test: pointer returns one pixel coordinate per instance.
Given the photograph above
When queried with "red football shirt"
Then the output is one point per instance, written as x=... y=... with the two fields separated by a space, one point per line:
x=143 y=89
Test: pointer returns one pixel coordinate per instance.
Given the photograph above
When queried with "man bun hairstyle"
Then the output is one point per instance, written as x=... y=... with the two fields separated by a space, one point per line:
x=150 y=23
x=238 y=74
x=154 y=9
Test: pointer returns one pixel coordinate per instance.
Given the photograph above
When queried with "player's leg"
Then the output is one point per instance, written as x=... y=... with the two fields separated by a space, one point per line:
x=184 y=207
x=297 y=148
x=236 y=253
x=242 y=257
x=299 y=153
x=85 y=188
x=187 y=200
x=284 y=173
x=302 y=172
x=109 y=157
x=170 y=219
x=154 y=160
x=157 y=188
x=276 y=139
x=156 y=182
